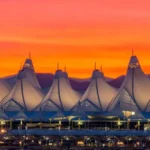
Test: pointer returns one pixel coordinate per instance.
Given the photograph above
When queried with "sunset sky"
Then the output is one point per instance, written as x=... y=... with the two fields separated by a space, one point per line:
x=75 y=33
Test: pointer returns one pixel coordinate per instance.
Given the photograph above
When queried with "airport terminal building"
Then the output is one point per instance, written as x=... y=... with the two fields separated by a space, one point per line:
x=100 y=106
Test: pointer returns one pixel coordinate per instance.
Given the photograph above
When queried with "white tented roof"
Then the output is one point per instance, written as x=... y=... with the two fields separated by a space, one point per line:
x=23 y=95
x=60 y=95
x=4 y=89
x=67 y=79
x=30 y=74
x=126 y=102
x=99 y=95
x=135 y=91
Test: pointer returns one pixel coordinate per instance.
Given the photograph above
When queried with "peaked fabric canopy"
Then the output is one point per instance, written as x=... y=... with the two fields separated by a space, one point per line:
x=60 y=95
x=30 y=74
x=133 y=97
x=134 y=93
x=99 y=95
x=23 y=95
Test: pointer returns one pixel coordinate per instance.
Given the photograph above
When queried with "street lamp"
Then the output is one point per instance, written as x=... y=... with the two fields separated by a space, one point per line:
x=138 y=124
x=119 y=123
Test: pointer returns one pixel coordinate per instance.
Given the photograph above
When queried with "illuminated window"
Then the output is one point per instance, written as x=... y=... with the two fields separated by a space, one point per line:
x=27 y=65
x=134 y=65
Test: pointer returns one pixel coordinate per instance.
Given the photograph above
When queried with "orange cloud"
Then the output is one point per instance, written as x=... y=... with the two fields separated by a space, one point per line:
x=74 y=33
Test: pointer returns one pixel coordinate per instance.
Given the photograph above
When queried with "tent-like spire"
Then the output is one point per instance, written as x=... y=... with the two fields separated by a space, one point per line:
x=60 y=95
x=134 y=93
x=96 y=97
x=29 y=71
x=23 y=96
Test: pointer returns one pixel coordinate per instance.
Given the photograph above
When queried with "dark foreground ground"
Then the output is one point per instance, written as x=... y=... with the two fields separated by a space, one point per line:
x=73 y=148
x=45 y=139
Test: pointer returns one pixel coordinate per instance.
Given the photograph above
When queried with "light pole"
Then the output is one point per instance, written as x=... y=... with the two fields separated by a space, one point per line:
x=119 y=123
x=138 y=124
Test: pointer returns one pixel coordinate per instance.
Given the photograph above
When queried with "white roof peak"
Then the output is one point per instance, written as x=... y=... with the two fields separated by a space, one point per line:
x=134 y=92
x=59 y=74
x=97 y=74
x=28 y=64
x=30 y=73
x=134 y=63
x=133 y=59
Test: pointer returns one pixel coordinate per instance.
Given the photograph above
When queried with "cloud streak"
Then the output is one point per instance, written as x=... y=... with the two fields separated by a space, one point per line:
x=74 y=32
